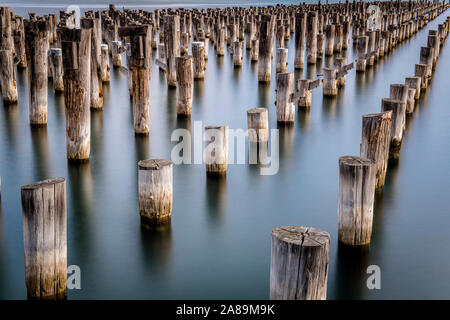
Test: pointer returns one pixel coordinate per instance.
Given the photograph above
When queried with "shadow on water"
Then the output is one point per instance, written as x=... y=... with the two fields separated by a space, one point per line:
x=172 y=101
x=11 y=116
x=220 y=62
x=287 y=135
x=351 y=271
x=216 y=199
x=156 y=245
x=311 y=71
x=58 y=98
x=237 y=72
x=39 y=139
x=142 y=147
x=97 y=133
x=304 y=119
x=329 y=107
x=199 y=87
x=80 y=204
x=263 y=94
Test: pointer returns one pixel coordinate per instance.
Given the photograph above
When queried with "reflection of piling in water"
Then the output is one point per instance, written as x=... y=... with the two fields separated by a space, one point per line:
x=299 y=263
x=357 y=177
x=39 y=139
x=45 y=238
x=216 y=196
x=351 y=271
x=157 y=243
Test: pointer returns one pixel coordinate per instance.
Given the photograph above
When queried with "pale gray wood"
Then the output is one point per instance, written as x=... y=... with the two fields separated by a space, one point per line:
x=258 y=125
x=285 y=105
x=185 y=85
x=299 y=263
x=216 y=150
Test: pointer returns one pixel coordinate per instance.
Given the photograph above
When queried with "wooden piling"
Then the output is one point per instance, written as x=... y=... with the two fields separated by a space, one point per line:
x=116 y=53
x=300 y=35
x=284 y=103
x=96 y=65
x=155 y=180
x=36 y=39
x=7 y=74
x=299 y=263
x=282 y=60
x=421 y=71
x=265 y=50
x=198 y=54
x=329 y=43
x=357 y=178
x=361 y=48
x=45 y=238
x=410 y=101
x=398 y=109
x=255 y=50
x=172 y=46
x=258 y=125
x=237 y=54
x=375 y=141
x=329 y=82
x=415 y=83
x=55 y=58
x=216 y=150
x=185 y=85
x=105 y=69
x=76 y=51
x=311 y=37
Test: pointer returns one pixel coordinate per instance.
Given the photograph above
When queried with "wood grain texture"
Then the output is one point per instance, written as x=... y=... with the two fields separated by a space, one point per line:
x=258 y=125
x=216 y=150
x=285 y=105
x=185 y=85
x=299 y=263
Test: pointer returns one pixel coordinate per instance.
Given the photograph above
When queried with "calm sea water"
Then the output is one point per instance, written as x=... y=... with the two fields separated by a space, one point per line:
x=218 y=245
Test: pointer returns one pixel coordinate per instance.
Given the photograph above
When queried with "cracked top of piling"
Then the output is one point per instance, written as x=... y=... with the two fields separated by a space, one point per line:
x=302 y=236
x=40 y=184
x=153 y=164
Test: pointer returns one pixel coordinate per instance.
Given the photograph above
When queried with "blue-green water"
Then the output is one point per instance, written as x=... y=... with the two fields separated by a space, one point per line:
x=218 y=245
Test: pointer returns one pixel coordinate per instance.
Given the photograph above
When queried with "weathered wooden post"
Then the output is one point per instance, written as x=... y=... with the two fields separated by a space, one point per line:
x=172 y=46
x=284 y=102
x=55 y=58
x=155 y=180
x=216 y=150
x=237 y=54
x=96 y=64
x=433 y=42
x=258 y=125
x=329 y=82
x=426 y=57
x=255 y=50
x=36 y=39
x=221 y=42
x=140 y=69
x=282 y=60
x=45 y=238
x=421 y=71
x=116 y=53
x=7 y=74
x=320 y=45
x=185 y=85
x=304 y=93
x=371 y=46
x=338 y=38
x=311 y=37
x=198 y=54
x=19 y=43
x=398 y=109
x=410 y=101
x=300 y=34
x=76 y=51
x=375 y=141
x=357 y=178
x=361 y=47
x=265 y=49
x=329 y=44
x=299 y=263
x=415 y=83
x=184 y=47
x=105 y=70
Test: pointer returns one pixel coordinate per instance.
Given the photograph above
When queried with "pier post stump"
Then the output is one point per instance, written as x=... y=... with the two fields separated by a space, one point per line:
x=258 y=125
x=311 y=37
x=216 y=150
x=105 y=63
x=185 y=85
x=282 y=60
x=398 y=109
x=357 y=178
x=284 y=103
x=329 y=86
x=55 y=58
x=198 y=54
x=299 y=263
x=7 y=75
x=300 y=35
x=415 y=83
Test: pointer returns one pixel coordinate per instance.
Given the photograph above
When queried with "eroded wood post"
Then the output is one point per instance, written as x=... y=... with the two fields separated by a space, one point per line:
x=299 y=263
x=105 y=63
x=357 y=178
x=421 y=71
x=254 y=56
x=329 y=82
x=155 y=180
x=410 y=101
x=55 y=58
x=258 y=125
x=216 y=150
x=375 y=141
x=7 y=75
x=76 y=50
x=96 y=66
x=45 y=238
x=36 y=36
x=415 y=83
x=185 y=85
x=311 y=37
x=237 y=54
x=172 y=46
x=304 y=101
x=265 y=49
x=198 y=54
x=19 y=43
x=116 y=53
x=282 y=60
x=398 y=109
x=140 y=69
x=284 y=103
x=300 y=35
x=329 y=43
x=361 y=47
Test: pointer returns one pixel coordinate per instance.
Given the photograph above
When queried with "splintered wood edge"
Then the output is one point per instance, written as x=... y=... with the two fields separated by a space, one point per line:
x=355 y=161
x=153 y=164
x=302 y=236
x=257 y=110
x=37 y=185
